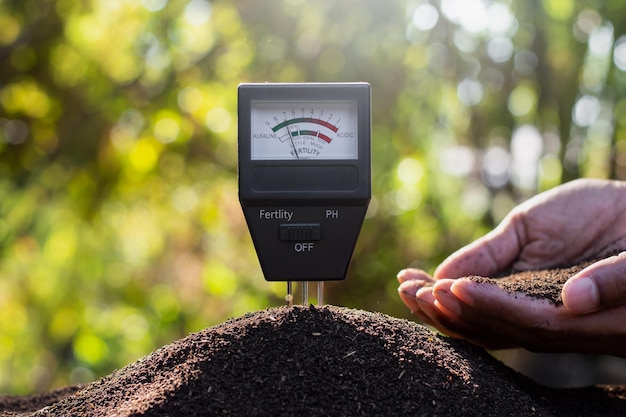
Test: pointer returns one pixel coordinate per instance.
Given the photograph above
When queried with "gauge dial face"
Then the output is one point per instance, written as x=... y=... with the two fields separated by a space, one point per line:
x=294 y=130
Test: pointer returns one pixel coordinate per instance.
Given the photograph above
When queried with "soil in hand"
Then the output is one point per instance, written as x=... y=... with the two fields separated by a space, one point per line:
x=543 y=283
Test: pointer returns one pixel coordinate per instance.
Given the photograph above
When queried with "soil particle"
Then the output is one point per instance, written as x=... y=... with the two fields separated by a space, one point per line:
x=312 y=361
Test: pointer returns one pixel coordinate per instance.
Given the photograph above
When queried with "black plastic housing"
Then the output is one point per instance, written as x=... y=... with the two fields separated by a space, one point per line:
x=305 y=215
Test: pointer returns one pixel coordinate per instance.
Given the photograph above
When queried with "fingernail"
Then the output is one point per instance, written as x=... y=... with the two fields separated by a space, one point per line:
x=459 y=291
x=425 y=295
x=405 y=273
x=409 y=274
x=580 y=295
x=401 y=273
x=409 y=288
x=403 y=276
x=448 y=301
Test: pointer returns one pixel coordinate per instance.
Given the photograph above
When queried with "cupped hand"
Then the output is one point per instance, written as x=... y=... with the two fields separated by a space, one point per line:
x=579 y=220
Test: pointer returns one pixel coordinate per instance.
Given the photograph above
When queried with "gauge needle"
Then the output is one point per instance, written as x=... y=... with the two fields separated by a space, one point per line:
x=293 y=145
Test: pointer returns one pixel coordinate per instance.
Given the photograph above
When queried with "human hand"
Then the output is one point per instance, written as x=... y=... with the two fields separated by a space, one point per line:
x=576 y=221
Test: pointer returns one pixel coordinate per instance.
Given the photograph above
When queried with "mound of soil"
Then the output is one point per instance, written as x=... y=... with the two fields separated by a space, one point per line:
x=318 y=361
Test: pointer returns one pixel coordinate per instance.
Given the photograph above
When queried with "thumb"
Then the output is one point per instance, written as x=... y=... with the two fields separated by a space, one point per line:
x=598 y=287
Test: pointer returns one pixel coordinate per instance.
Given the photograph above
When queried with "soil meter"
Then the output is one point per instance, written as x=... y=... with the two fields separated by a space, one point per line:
x=304 y=176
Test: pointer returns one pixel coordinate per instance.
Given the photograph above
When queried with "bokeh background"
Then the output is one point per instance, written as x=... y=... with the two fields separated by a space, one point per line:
x=120 y=227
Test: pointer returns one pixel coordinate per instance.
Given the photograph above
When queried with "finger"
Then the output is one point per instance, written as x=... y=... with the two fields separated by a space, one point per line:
x=411 y=281
x=412 y=274
x=486 y=256
x=426 y=300
x=454 y=314
x=496 y=319
x=517 y=320
x=538 y=325
x=491 y=301
x=598 y=287
x=407 y=291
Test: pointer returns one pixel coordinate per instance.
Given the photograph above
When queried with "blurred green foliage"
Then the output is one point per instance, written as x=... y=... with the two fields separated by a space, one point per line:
x=120 y=228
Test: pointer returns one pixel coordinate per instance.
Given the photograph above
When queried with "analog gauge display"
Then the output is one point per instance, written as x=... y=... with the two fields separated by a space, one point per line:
x=294 y=130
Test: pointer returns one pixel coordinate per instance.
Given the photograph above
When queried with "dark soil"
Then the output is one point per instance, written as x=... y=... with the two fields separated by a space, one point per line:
x=18 y=406
x=311 y=361
x=545 y=283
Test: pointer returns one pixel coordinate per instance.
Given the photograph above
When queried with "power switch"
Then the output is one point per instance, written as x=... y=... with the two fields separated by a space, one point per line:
x=300 y=231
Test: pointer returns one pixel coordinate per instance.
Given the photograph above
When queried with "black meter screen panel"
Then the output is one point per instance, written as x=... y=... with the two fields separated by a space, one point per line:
x=304 y=175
